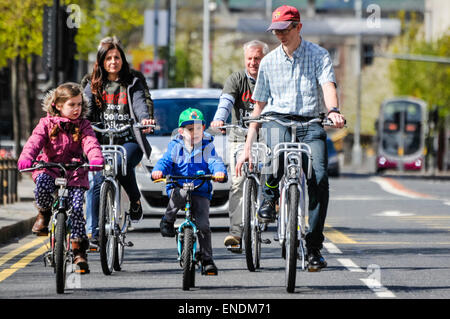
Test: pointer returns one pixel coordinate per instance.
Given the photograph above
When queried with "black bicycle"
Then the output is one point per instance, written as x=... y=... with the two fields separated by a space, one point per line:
x=60 y=254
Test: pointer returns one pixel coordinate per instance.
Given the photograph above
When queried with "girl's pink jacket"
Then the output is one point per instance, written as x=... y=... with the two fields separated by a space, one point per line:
x=62 y=148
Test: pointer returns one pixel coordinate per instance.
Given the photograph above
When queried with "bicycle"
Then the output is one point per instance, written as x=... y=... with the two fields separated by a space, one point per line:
x=252 y=199
x=113 y=220
x=291 y=226
x=60 y=253
x=187 y=245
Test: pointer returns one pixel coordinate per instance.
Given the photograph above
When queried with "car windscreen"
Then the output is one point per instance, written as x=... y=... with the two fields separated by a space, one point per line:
x=167 y=111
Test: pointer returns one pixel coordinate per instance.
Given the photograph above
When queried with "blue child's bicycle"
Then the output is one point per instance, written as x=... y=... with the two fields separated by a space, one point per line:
x=187 y=244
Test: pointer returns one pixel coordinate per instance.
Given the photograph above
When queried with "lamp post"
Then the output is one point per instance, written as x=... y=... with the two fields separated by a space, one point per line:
x=356 y=150
x=206 y=72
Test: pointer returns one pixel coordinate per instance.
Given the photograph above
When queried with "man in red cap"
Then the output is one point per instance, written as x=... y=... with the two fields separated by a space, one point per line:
x=290 y=82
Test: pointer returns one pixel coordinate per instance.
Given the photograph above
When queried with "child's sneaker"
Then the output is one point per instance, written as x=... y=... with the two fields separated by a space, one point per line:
x=167 y=229
x=209 y=268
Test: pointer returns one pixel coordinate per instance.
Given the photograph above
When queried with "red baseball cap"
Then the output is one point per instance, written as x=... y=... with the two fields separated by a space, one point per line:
x=283 y=16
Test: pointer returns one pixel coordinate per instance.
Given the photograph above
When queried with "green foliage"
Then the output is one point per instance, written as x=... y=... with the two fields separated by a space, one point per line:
x=20 y=29
x=101 y=18
x=425 y=80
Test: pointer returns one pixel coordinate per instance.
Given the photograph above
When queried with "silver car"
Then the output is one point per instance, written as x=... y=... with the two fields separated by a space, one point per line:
x=168 y=104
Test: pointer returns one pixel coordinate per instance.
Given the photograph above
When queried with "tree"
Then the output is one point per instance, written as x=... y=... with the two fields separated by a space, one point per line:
x=20 y=42
x=425 y=80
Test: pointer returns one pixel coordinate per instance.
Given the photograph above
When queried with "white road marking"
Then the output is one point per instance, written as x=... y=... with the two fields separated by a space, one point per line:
x=393 y=213
x=332 y=248
x=350 y=265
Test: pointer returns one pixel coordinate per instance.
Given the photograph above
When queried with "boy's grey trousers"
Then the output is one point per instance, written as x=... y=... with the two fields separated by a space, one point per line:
x=199 y=211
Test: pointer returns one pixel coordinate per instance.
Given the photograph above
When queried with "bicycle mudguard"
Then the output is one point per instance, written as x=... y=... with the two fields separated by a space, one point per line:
x=186 y=223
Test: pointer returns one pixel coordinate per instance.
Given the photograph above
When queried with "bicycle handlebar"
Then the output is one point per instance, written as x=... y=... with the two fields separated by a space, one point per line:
x=114 y=130
x=62 y=166
x=292 y=121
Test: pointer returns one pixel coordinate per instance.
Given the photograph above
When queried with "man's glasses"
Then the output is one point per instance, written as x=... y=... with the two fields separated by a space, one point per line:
x=285 y=31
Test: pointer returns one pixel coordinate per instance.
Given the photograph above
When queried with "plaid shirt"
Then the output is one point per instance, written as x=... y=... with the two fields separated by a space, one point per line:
x=291 y=86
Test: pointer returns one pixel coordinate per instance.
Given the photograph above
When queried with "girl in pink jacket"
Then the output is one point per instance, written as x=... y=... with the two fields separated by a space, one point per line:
x=63 y=136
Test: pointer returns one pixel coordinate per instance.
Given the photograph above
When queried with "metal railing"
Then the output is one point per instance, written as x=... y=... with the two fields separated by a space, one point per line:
x=9 y=177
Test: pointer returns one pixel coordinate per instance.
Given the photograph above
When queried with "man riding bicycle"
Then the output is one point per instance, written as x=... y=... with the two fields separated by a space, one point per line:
x=288 y=84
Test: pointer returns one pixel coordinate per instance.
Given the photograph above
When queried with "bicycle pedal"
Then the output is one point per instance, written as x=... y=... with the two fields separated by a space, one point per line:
x=129 y=244
x=82 y=271
x=314 y=269
x=266 y=241
x=235 y=248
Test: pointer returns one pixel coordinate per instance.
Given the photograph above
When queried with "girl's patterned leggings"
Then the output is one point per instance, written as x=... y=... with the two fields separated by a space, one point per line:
x=45 y=187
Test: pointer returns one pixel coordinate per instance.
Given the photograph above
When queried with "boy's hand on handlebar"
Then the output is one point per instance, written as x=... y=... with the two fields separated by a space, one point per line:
x=157 y=175
x=219 y=177
x=23 y=164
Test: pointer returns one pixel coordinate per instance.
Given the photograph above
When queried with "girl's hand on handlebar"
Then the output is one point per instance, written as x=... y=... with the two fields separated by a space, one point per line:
x=24 y=164
x=95 y=165
x=157 y=175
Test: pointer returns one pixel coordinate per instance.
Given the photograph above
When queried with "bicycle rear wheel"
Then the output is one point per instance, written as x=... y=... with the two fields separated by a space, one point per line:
x=291 y=238
x=252 y=240
x=60 y=252
x=106 y=236
x=187 y=258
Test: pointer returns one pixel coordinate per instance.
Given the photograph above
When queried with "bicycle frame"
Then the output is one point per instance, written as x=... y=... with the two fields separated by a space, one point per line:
x=188 y=222
x=293 y=175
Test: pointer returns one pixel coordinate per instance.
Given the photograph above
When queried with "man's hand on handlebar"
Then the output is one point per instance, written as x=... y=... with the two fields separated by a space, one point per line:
x=337 y=119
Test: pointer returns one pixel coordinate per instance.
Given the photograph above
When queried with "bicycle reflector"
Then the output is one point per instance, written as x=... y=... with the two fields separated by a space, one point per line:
x=60 y=181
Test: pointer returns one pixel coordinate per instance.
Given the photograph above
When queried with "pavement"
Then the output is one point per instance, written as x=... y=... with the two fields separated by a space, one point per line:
x=17 y=219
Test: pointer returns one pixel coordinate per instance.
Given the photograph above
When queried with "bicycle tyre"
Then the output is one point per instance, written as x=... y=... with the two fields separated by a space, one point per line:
x=106 y=236
x=291 y=239
x=250 y=240
x=120 y=250
x=60 y=252
x=187 y=257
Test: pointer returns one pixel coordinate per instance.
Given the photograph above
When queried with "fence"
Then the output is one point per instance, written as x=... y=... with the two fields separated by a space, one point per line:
x=9 y=177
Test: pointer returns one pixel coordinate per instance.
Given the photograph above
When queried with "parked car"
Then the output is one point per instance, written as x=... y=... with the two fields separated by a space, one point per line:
x=168 y=104
x=333 y=160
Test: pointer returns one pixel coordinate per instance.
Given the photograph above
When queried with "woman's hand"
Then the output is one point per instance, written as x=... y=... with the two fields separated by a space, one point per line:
x=148 y=122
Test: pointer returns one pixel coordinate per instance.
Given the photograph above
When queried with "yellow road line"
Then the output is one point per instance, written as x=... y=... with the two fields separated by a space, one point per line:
x=22 y=263
x=21 y=249
x=336 y=236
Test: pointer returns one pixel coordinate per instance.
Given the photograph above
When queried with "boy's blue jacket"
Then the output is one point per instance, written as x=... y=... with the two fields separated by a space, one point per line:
x=177 y=160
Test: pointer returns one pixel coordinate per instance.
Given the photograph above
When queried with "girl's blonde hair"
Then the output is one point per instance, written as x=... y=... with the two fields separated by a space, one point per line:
x=60 y=95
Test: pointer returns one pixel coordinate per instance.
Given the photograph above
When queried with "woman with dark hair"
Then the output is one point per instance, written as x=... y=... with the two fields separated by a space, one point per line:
x=115 y=97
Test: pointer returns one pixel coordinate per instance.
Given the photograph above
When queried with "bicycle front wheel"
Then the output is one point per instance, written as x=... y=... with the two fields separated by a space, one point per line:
x=252 y=240
x=60 y=252
x=106 y=236
x=187 y=258
x=291 y=238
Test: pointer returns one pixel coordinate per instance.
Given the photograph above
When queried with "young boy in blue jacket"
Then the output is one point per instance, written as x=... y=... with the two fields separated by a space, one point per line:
x=189 y=152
